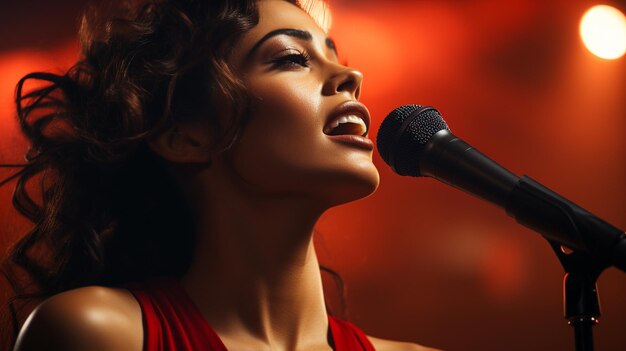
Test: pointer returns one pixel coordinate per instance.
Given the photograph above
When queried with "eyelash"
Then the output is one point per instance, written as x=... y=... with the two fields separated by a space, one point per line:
x=300 y=59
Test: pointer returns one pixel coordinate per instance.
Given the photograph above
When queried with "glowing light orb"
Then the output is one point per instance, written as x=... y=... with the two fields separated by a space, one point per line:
x=603 y=31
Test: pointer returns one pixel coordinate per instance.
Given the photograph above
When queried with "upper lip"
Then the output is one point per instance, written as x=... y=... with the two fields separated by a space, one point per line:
x=351 y=107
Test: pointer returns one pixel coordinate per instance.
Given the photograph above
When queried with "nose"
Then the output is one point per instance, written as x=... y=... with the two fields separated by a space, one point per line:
x=344 y=80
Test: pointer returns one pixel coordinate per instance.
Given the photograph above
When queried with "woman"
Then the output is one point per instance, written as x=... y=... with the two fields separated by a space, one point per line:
x=230 y=128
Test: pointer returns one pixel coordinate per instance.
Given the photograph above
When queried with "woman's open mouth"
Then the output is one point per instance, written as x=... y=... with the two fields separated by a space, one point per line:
x=348 y=124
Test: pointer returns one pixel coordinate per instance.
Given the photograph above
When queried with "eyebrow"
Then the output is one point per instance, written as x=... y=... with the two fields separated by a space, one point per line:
x=296 y=33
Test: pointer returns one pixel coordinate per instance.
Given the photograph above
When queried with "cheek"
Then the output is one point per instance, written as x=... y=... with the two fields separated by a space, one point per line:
x=288 y=114
x=283 y=139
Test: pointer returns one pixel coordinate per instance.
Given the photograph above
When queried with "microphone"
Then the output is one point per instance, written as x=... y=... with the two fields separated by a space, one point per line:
x=414 y=140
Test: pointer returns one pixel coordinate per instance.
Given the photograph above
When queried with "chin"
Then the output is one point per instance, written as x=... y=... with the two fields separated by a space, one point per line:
x=351 y=187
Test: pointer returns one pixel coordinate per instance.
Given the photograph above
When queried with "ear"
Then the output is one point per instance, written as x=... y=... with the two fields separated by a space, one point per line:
x=182 y=143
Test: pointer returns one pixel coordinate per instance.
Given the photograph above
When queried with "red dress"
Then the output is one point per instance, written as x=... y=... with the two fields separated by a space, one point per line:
x=172 y=322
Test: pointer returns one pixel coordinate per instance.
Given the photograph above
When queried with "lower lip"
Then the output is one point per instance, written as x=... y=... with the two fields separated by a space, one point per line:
x=354 y=140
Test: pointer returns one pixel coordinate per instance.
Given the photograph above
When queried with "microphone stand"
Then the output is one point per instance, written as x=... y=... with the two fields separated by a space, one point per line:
x=580 y=294
x=584 y=244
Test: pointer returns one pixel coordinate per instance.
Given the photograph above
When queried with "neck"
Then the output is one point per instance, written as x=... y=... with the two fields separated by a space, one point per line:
x=255 y=274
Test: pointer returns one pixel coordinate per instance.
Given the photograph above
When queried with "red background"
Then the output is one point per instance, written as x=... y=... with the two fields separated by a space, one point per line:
x=424 y=262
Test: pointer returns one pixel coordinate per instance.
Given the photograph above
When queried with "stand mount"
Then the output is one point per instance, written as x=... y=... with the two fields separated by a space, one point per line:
x=580 y=294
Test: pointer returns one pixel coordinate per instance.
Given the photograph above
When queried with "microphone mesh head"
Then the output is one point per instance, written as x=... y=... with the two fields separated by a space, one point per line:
x=403 y=135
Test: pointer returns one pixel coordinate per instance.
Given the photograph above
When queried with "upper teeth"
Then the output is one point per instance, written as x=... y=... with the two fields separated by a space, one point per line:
x=345 y=119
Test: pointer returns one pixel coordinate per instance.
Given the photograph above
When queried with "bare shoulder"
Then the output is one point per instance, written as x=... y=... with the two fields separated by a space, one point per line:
x=89 y=318
x=390 y=345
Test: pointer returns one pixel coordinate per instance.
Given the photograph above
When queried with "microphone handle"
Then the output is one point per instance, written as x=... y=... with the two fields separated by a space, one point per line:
x=558 y=219
x=452 y=161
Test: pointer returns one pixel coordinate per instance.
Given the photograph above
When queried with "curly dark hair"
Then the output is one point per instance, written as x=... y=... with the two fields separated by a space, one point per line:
x=105 y=208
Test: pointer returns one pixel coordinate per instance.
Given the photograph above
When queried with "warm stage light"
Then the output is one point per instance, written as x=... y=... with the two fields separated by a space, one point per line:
x=603 y=30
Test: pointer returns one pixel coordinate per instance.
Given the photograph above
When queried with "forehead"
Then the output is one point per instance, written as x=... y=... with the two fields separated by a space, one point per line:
x=278 y=14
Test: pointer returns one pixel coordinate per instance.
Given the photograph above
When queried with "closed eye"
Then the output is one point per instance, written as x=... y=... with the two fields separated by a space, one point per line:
x=293 y=60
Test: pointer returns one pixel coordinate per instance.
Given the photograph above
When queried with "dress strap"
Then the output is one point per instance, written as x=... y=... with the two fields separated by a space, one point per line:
x=347 y=337
x=171 y=321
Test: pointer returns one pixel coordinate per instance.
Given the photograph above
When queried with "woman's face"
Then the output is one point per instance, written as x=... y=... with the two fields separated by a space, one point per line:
x=299 y=90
